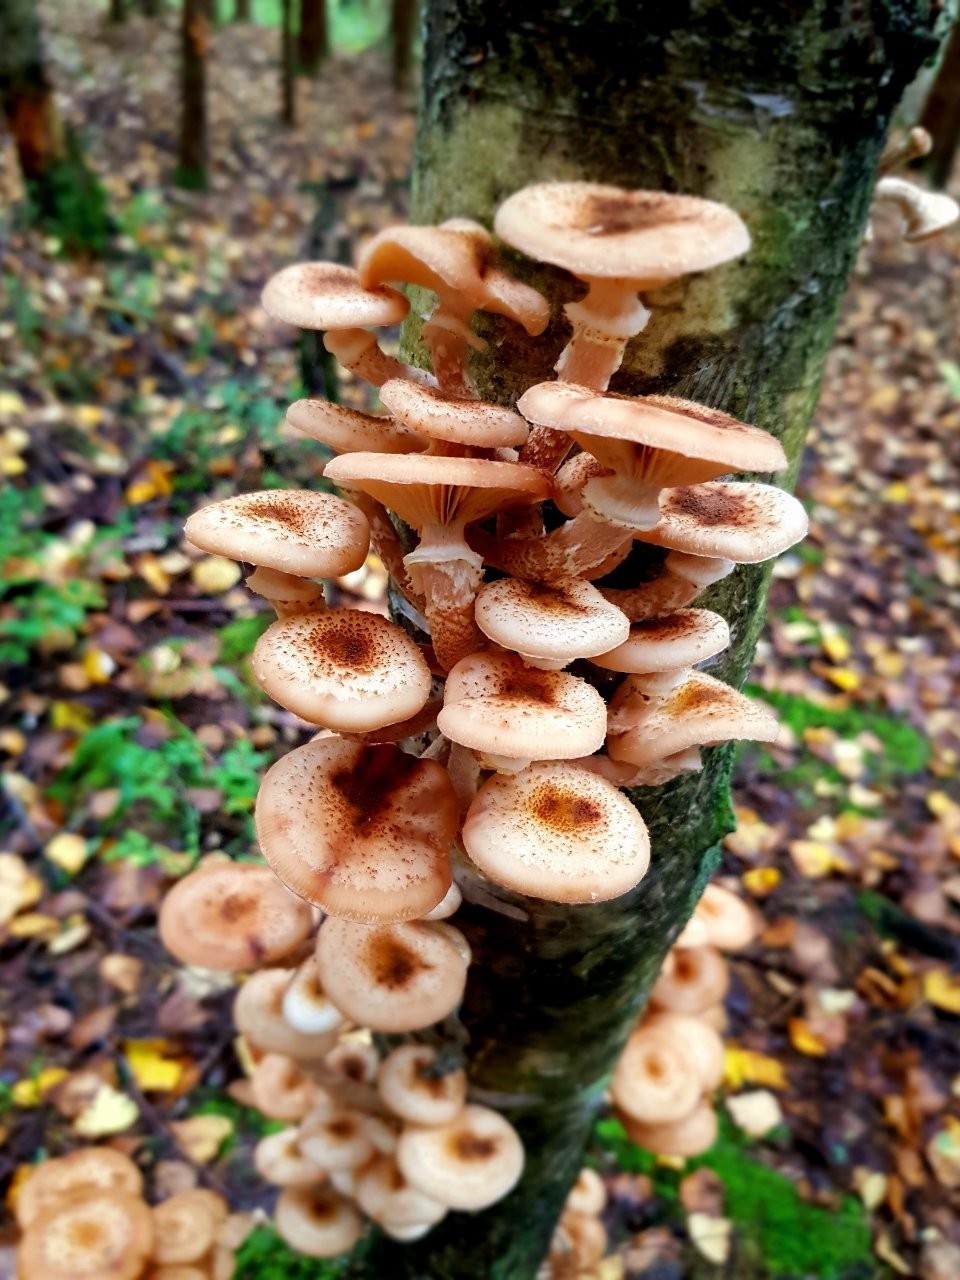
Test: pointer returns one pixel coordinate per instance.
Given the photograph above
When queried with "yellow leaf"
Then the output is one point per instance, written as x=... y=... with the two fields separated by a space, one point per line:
x=743 y=1066
x=34 y=925
x=153 y=573
x=871 y=1186
x=835 y=646
x=11 y=404
x=896 y=492
x=110 y=1112
x=756 y=1112
x=153 y=1072
x=88 y=415
x=30 y=1093
x=75 y=717
x=19 y=886
x=214 y=574
x=804 y=1040
x=942 y=990
x=98 y=666
x=761 y=881
x=844 y=678
x=812 y=858
x=67 y=851
x=201 y=1137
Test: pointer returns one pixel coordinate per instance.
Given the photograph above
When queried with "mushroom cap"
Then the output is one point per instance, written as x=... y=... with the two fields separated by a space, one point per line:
x=470 y=1163
x=507 y=296
x=603 y=231
x=398 y=978
x=317 y=1221
x=675 y=640
x=346 y=430
x=281 y=1090
x=354 y=1059
x=305 y=1004
x=258 y=1015
x=701 y=711
x=336 y=1140
x=426 y=489
x=570 y=480
x=384 y=1195
x=449 y=259
x=429 y=412
x=363 y=831
x=183 y=1228
x=327 y=295
x=691 y=980
x=588 y=1194
x=88 y=1169
x=285 y=589
x=412 y=1089
x=311 y=535
x=555 y=623
x=278 y=1159
x=728 y=519
x=449 y=904
x=657 y=1077
x=704 y=442
x=103 y=1234
x=701 y=1041
x=691 y=1136
x=495 y=704
x=558 y=832
x=232 y=915
x=346 y=669
x=730 y=922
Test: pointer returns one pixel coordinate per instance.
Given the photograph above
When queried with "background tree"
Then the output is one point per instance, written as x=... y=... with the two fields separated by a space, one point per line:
x=151 y=8
x=62 y=193
x=313 y=42
x=118 y=11
x=194 y=39
x=403 y=23
x=242 y=11
x=288 y=64
x=781 y=114
x=941 y=114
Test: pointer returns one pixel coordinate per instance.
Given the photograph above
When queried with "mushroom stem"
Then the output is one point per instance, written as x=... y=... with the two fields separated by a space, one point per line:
x=449 y=337
x=449 y=575
x=603 y=323
x=387 y=545
x=288 y=595
x=573 y=550
x=359 y=351
x=665 y=594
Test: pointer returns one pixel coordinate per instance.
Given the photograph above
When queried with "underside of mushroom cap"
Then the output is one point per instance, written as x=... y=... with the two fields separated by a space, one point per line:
x=400 y=977
x=495 y=704
x=729 y=519
x=474 y=423
x=346 y=669
x=258 y=1015
x=605 y=231
x=558 y=832
x=362 y=831
x=468 y=1164
x=447 y=259
x=347 y=430
x=232 y=915
x=551 y=625
x=327 y=295
x=679 y=639
x=311 y=535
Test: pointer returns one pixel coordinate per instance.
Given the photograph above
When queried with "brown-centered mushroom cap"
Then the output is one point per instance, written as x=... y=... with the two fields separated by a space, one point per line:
x=384 y=1194
x=604 y=231
x=305 y=1004
x=326 y=295
x=549 y=626
x=413 y=1089
x=730 y=923
x=691 y=980
x=495 y=704
x=345 y=669
x=89 y=1235
x=475 y=423
x=278 y=1159
x=281 y=1089
x=679 y=639
x=657 y=1078
x=258 y=1015
x=701 y=1040
x=347 y=430
x=557 y=832
x=398 y=978
x=362 y=831
x=470 y=1163
x=232 y=915
x=729 y=519
x=317 y=1221
x=88 y=1169
x=311 y=535
x=691 y=1136
x=183 y=1228
x=335 y=1140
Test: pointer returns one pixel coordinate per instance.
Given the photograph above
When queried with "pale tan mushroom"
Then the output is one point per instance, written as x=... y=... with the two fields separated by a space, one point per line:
x=258 y=1015
x=470 y=1163
x=385 y=1195
x=549 y=626
x=728 y=519
x=88 y=1169
x=347 y=430
x=675 y=641
x=447 y=420
x=692 y=980
x=183 y=1228
x=701 y=1041
x=413 y=1088
x=305 y=1004
x=657 y=1078
x=691 y=1136
x=316 y=1221
x=336 y=1140
x=279 y=1160
x=281 y=1089
x=730 y=923
x=88 y=1235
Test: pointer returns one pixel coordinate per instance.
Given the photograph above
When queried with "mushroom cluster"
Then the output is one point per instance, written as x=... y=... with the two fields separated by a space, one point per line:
x=83 y=1217
x=673 y=1060
x=580 y=1239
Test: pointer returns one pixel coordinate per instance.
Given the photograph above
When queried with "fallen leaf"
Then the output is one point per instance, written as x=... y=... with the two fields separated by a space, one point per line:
x=200 y=1137
x=31 y=1092
x=744 y=1066
x=110 y=1112
x=805 y=1040
x=711 y=1237
x=68 y=851
x=214 y=574
x=942 y=990
x=152 y=1070
x=756 y=1113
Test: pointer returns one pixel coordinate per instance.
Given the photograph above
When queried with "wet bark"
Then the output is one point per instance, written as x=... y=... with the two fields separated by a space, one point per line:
x=941 y=113
x=194 y=39
x=313 y=44
x=403 y=22
x=780 y=111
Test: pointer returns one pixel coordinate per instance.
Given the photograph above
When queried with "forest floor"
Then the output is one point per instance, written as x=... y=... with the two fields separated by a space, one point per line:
x=132 y=737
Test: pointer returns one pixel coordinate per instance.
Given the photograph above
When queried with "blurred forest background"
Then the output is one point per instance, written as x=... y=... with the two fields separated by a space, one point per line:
x=140 y=377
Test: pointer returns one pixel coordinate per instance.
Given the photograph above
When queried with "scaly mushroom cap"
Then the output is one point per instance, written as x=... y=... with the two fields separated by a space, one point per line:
x=278 y=1160
x=305 y=1003
x=91 y=1235
x=691 y=1136
x=311 y=535
x=428 y=412
x=679 y=639
x=449 y=259
x=317 y=1221
x=281 y=1090
x=692 y=979
x=232 y=915
x=729 y=519
x=657 y=1077
x=363 y=831
x=347 y=430
x=550 y=626
x=326 y=295
x=258 y=1015
x=384 y=1195
x=412 y=1089
x=183 y=1228
x=399 y=978
x=701 y=711
x=470 y=1163
x=91 y=1168
x=495 y=704
x=701 y=1041
x=730 y=923
x=603 y=231
x=557 y=832
x=336 y=1140
x=344 y=669
x=431 y=490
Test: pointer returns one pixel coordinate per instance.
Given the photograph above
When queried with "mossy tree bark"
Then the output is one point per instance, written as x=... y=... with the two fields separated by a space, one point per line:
x=194 y=40
x=779 y=110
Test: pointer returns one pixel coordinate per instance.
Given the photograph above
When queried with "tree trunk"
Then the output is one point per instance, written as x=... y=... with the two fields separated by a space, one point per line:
x=313 y=44
x=941 y=114
x=194 y=39
x=242 y=11
x=403 y=22
x=62 y=193
x=151 y=8
x=780 y=111
x=118 y=11
x=288 y=65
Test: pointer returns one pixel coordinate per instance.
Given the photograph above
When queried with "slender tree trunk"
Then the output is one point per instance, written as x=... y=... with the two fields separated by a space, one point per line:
x=313 y=43
x=403 y=22
x=242 y=11
x=151 y=8
x=780 y=111
x=194 y=39
x=118 y=11
x=941 y=114
x=62 y=193
x=288 y=65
